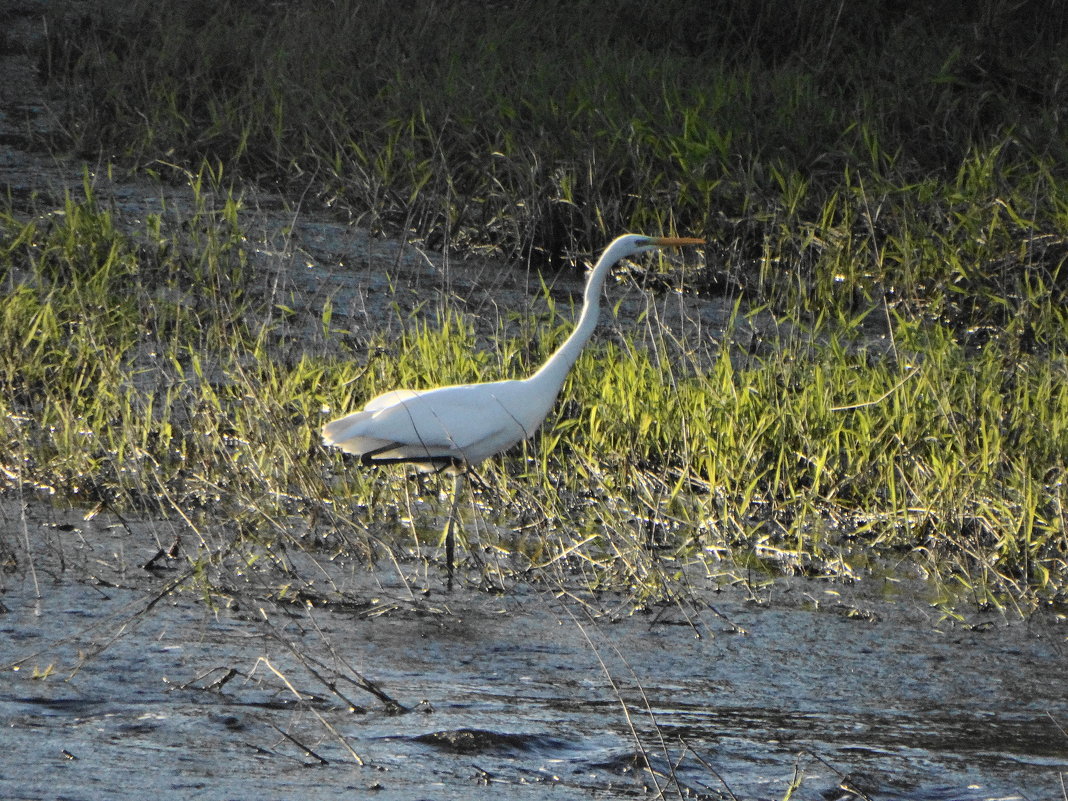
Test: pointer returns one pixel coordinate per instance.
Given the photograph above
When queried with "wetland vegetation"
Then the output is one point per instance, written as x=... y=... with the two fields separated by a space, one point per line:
x=886 y=202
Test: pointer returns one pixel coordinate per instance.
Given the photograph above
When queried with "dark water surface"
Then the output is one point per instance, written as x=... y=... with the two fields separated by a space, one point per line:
x=517 y=693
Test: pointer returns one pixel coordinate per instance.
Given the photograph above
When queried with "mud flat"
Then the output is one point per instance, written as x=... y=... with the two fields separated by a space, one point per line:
x=110 y=686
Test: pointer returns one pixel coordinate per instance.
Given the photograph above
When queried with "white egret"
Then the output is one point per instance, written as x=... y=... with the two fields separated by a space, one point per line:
x=454 y=427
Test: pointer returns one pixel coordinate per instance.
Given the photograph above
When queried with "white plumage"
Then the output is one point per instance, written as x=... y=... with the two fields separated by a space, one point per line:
x=453 y=427
x=447 y=427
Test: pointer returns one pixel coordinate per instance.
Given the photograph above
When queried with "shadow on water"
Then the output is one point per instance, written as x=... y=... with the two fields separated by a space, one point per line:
x=428 y=695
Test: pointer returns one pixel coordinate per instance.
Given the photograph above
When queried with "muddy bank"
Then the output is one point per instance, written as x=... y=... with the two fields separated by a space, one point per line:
x=408 y=691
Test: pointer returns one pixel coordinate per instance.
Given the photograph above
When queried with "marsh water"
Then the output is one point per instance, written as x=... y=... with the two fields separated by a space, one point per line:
x=112 y=687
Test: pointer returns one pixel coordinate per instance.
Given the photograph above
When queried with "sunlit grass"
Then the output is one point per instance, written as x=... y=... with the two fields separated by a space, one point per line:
x=123 y=388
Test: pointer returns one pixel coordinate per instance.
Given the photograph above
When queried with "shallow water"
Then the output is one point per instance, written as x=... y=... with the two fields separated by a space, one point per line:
x=517 y=692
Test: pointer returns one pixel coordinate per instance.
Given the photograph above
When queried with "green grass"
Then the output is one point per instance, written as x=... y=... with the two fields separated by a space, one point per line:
x=891 y=196
x=815 y=456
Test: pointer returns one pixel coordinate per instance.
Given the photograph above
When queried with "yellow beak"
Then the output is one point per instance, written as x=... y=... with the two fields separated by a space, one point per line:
x=675 y=241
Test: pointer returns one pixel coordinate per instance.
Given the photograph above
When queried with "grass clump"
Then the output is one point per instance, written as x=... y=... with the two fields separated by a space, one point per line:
x=819 y=456
x=119 y=379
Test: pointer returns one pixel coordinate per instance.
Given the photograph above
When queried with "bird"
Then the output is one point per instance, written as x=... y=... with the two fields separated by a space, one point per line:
x=453 y=428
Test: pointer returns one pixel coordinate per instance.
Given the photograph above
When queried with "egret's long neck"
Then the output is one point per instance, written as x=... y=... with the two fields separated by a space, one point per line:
x=555 y=370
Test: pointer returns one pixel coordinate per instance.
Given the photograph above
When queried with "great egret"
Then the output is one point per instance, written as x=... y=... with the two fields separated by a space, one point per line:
x=451 y=428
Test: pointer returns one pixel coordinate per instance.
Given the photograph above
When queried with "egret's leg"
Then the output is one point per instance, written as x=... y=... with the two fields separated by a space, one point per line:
x=450 y=526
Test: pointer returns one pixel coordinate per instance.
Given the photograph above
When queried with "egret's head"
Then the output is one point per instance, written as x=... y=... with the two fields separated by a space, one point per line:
x=633 y=244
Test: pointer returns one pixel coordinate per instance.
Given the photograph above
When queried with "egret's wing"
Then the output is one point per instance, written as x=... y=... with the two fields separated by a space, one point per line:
x=389 y=398
x=358 y=433
x=352 y=435
x=449 y=424
x=466 y=416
